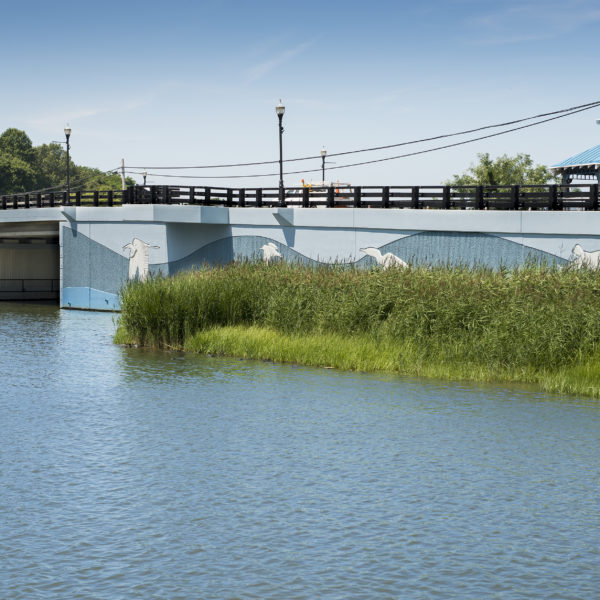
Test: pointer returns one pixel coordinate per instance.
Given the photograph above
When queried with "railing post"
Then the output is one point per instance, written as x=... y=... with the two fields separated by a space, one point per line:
x=26 y=200
x=38 y=200
x=305 y=197
x=51 y=198
x=96 y=198
x=242 y=199
x=206 y=196
x=15 y=201
x=192 y=195
x=259 y=201
x=3 y=202
x=330 y=197
x=552 y=197
x=414 y=197
x=446 y=197
x=153 y=198
x=594 y=196
x=357 y=197
x=479 y=197
x=109 y=198
x=514 y=197
x=77 y=198
x=165 y=197
x=385 y=197
x=281 y=197
x=229 y=197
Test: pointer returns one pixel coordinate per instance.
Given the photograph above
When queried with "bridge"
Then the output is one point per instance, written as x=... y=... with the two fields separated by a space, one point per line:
x=78 y=249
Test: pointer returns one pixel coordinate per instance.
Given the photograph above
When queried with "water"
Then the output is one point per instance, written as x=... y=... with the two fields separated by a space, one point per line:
x=133 y=474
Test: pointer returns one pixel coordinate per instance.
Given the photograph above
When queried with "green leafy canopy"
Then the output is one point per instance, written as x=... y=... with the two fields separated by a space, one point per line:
x=504 y=170
x=25 y=167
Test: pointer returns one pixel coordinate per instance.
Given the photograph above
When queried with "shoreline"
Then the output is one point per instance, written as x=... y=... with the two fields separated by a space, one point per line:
x=535 y=324
x=359 y=354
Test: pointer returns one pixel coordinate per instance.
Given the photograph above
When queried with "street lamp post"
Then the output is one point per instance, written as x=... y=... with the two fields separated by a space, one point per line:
x=598 y=166
x=280 y=109
x=323 y=155
x=68 y=135
x=145 y=174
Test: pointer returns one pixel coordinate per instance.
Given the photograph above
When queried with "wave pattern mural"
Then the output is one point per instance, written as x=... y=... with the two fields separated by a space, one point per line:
x=470 y=249
x=93 y=274
x=420 y=248
x=87 y=263
x=226 y=250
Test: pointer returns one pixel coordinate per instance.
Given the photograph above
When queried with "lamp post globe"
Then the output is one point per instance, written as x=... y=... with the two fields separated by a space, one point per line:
x=280 y=110
x=323 y=155
x=68 y=135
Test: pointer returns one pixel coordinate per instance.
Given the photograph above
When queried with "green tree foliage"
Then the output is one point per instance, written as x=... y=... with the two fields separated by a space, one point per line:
x=16 y=175
x=25 y=167
x=504 y=170
x=16 y=143
x=16 y=161
x=50 y=164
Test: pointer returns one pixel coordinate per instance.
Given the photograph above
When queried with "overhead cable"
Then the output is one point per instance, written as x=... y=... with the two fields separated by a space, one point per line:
x=367 y=162
x=571 y=110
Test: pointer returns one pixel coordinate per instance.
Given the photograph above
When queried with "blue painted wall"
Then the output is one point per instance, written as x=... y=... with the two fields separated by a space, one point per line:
x=93 y=273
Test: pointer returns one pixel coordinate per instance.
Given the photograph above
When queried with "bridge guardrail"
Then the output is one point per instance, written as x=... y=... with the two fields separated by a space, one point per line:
x=473 y=197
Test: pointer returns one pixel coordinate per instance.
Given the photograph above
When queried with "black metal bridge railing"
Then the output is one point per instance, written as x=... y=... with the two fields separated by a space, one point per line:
x=475 y=197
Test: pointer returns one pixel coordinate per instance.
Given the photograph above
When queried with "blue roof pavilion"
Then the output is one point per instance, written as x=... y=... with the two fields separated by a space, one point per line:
x=585 y=165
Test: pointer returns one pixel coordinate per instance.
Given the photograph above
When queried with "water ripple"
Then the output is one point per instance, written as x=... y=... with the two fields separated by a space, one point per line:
x=129 y=473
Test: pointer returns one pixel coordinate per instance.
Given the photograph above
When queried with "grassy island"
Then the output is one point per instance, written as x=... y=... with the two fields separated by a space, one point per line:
x=534 y=324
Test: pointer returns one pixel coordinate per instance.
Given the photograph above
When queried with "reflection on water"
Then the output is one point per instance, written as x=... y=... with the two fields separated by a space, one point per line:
x=133 y=473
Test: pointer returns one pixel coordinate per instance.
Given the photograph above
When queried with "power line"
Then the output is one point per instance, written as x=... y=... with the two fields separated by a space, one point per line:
x=571 y=110
x=367 y=162
x=75 y=182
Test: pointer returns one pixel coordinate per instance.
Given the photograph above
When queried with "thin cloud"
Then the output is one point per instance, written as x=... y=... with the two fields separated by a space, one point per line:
x=527 y=22
x=85 y=113
x=261 y=69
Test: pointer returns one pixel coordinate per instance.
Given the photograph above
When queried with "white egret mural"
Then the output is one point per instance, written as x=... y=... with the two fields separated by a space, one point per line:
x=138 y=258
x=591 y=260
x=270 y=252
x=386 y=260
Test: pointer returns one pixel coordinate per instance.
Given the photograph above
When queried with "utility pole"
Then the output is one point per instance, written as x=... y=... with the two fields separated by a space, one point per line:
x=123 y=174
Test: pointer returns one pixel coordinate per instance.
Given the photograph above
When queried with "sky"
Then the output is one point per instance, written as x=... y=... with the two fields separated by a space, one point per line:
x=188 y=83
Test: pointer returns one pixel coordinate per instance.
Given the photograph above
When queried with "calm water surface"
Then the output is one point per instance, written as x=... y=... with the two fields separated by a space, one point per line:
x=133 y=474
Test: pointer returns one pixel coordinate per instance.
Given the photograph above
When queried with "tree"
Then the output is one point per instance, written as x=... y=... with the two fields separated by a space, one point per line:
x=51 y=165
x=505 y=170
x=15 y=142
x=88 y=178
x=24 y=167
x=15 y=174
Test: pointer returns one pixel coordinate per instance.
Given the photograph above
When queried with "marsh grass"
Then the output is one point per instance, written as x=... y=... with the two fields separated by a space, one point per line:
x=530 y=324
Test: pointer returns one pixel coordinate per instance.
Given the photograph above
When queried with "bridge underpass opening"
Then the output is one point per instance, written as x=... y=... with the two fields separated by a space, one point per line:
x=29 y=261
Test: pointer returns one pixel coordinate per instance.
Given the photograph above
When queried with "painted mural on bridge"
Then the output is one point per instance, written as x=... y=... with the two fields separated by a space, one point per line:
x=93 y=274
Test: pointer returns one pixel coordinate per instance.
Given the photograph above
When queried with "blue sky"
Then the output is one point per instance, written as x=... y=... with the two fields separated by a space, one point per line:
x=192 y=83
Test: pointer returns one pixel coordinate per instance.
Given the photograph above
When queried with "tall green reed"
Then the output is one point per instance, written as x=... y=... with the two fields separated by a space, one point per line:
x=534 y=316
